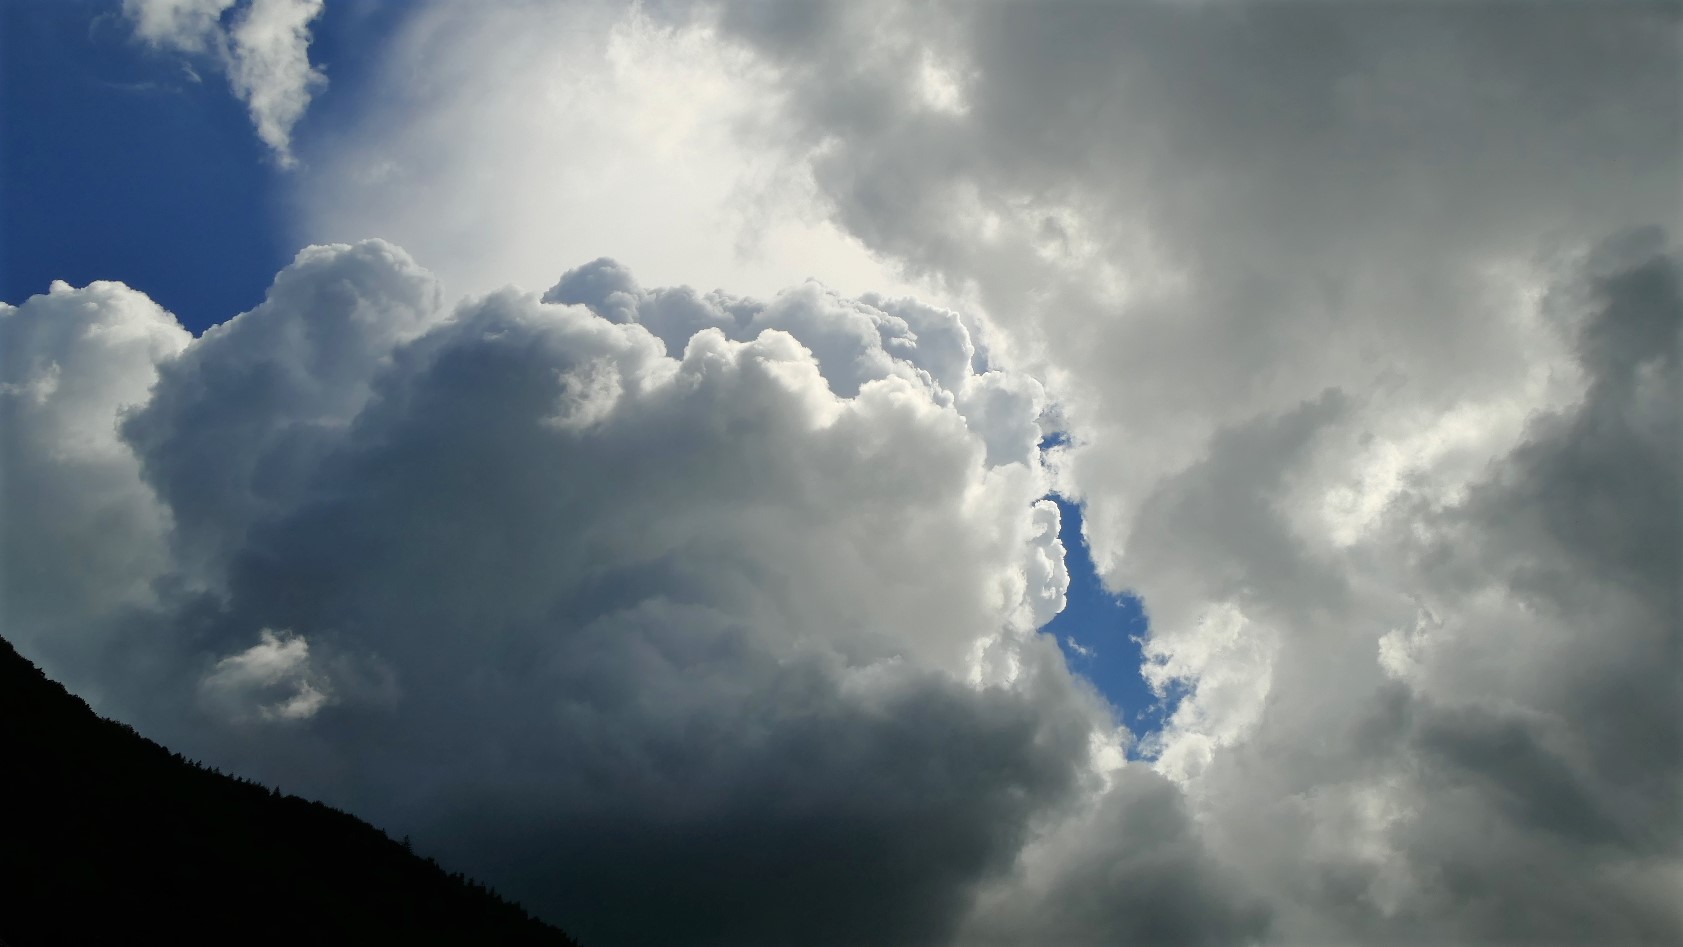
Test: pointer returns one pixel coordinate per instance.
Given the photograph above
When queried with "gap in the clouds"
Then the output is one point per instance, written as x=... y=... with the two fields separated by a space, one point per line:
x=1100 y=633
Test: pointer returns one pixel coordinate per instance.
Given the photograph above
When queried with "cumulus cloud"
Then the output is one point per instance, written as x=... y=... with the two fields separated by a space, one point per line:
x=263 y=46
x=257 y=400
x=674 y=625
x=82 y=537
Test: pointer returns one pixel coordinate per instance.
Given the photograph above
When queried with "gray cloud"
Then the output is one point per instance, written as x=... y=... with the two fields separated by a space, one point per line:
x=698 y=647
x=1507 y=770
x=825 y=820
x=1192 y=212
x=1129 y=869
x=1358 y=401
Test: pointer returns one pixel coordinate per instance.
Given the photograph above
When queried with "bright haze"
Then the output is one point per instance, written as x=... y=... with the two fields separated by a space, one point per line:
x=637 y=450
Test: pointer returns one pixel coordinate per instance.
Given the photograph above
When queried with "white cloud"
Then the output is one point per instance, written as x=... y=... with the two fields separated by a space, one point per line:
x=264 y=46
x=604 y=129
x=82 y=537
x=271 y=680
x=190 y=25
x=270 y=69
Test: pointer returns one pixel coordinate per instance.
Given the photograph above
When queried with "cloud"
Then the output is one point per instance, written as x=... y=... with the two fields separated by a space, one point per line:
x=1281 y=210
x=271 y=680
x=270 y=67
x=734 y=641
x=189 y=25
x=1127 y=869
x=602 y=130
x=1497 y=659
x=1305 y=285
x=264 y=46
x=633 y=632
x=1321 y=295
x=258 y=400
x=82 y=537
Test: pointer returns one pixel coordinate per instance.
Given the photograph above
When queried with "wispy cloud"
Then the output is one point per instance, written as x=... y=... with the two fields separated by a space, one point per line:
x=263 y=45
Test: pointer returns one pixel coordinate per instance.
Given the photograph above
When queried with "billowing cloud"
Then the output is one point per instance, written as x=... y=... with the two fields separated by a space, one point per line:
x=684 y=617
x=263 y=46
x=82 y=537
x=1459 y=699
x=1325 y=297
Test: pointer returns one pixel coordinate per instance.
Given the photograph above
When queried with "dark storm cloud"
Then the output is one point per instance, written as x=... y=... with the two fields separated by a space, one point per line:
x=815 y=820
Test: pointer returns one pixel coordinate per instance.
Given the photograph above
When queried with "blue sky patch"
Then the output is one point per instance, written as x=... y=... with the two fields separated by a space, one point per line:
x=1100 y=633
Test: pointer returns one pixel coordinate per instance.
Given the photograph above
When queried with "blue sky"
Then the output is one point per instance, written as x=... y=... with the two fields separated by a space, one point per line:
x=118 y=165
x=1107 y=627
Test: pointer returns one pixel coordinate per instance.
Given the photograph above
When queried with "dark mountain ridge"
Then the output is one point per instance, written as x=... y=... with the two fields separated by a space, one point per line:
x=108 y=837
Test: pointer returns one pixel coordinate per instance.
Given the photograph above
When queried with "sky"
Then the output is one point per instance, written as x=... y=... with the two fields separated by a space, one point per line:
x=875 y=473
x=106 y=148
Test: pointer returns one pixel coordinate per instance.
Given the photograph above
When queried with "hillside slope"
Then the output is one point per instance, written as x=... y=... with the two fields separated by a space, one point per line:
x=107 y=837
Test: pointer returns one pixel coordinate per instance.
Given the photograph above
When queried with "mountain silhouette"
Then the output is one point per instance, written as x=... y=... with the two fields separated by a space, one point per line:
x=109 y=838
